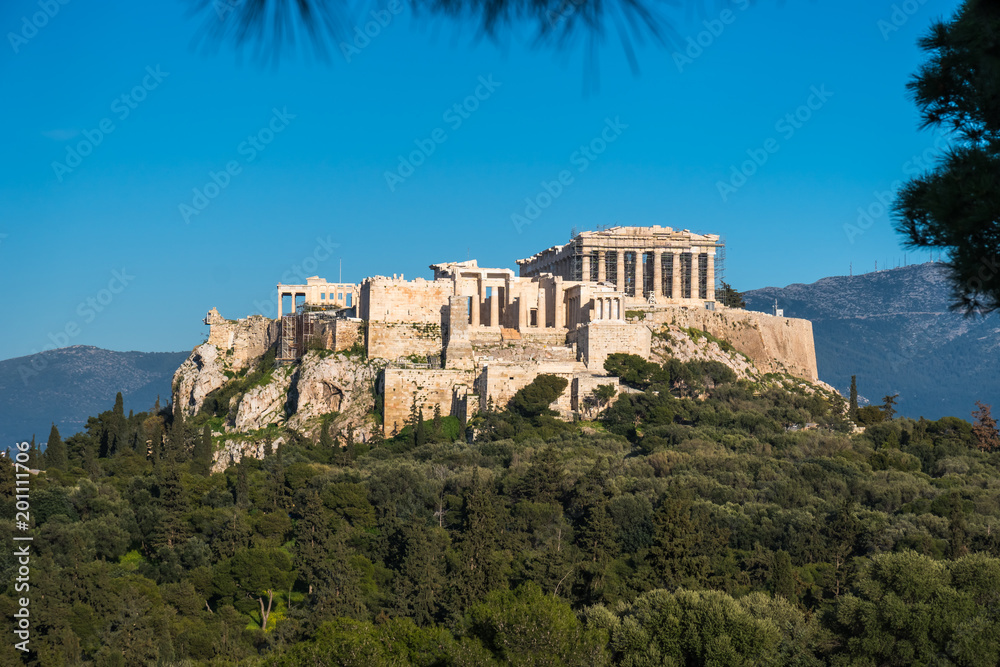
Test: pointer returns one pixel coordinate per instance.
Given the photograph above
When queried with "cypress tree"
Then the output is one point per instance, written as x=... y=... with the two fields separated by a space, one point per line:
x=34 y=456
x=202 y=463
x=853 y=413
x=242 y=486
x=419 y=434
x=55 y=451
x=437 y=427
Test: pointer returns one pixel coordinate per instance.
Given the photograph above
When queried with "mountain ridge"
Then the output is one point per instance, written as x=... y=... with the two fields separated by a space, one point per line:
x=67 y=385
x=896 y=331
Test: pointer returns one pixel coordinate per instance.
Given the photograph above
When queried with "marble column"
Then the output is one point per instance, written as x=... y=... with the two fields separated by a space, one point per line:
x=677 y=274
x=559 y=306
x=658 y=275
x=640 y=274
x=710 y=296
x=620 y=284
x=585 y=267
x=495 y=307
x=600 y=266
x=475 y=302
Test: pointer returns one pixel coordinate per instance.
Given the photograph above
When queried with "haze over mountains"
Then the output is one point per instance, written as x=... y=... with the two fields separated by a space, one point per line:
x=68 y=385
x=894 y=330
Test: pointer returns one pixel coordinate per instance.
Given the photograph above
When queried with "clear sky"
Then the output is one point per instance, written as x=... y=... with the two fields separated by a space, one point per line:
x=309 y=145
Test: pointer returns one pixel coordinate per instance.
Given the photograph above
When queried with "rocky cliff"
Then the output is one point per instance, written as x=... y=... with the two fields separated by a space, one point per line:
x=254 y=402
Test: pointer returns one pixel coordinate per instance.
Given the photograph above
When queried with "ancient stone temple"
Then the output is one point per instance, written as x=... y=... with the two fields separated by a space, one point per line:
x=318 y=293
x=655 y=264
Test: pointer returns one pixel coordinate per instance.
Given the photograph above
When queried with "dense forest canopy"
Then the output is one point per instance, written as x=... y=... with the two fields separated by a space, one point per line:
x=699 y=522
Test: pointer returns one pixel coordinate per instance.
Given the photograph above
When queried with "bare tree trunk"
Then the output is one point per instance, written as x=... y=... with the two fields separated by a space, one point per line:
x=264 y=614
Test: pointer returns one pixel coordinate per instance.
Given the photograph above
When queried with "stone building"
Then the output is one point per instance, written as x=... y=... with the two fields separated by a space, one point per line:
x=317 y=293
x=647 y=264
x=470 y=335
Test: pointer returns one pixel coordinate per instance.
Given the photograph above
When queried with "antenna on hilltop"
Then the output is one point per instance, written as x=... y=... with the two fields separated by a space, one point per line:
x=340 y=275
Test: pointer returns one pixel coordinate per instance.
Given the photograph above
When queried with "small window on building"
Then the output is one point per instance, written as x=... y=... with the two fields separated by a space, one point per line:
x=340 y=297
x=322 y=296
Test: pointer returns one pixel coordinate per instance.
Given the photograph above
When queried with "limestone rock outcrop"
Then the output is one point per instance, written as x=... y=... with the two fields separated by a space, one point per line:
x=264 y=404
x=201 y=373
x=241 y=341
x=672 y=341
x=337 y=383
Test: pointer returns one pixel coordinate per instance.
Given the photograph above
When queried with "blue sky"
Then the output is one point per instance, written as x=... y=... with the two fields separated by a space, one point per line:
x=114 y=248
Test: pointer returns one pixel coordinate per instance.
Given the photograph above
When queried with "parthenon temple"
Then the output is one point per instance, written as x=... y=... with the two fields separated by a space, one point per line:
x=649 y=264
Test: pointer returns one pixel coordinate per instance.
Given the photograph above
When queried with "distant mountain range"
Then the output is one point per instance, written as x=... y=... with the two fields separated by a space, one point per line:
x=894 y=330
x=68 y=385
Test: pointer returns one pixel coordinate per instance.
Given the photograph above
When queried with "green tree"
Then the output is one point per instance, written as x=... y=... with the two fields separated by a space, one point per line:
x=479 y=563
x=201 y=461
x=526 y=627
x=420 y=431
x=985 y=428
x=437 y=431
x=729 y=297
x=259 y=574
x=604 y=393
x=55 y=451
x=853 y=413
x=533 y=400
x=956 y=205
x=889 y=406
x=242 y=490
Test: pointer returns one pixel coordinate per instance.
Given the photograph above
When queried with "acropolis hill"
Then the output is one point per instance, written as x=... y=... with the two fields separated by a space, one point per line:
x=471 y=336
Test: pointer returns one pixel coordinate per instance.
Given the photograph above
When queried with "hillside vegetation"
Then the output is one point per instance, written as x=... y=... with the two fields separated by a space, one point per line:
x=699 y=522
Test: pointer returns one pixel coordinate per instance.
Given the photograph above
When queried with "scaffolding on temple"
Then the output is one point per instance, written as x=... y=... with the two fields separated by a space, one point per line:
x=576 y=263
x=720 y=265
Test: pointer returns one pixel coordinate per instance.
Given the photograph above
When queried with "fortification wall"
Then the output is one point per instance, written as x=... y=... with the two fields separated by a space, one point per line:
x=596 y=340
x=392 y=340
x=500 y=381
x=345 y=334
x=774 y=344
x=448 y=389
x=248 y=338
x=395 y=300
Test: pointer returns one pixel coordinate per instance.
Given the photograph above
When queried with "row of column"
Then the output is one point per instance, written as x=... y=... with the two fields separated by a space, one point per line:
x=607 y=308
x=641 y=289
